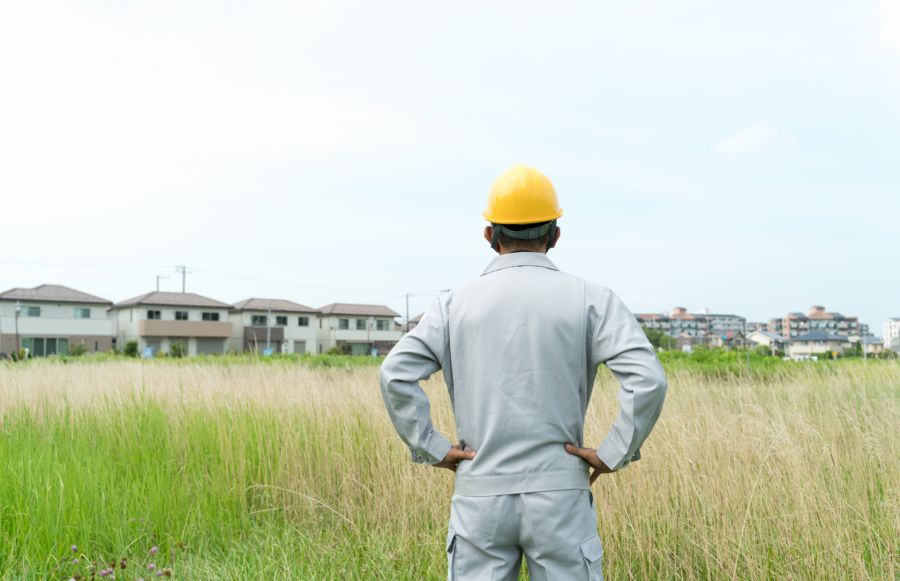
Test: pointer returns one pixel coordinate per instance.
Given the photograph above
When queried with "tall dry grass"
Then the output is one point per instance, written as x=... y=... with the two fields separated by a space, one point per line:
x=283 y=471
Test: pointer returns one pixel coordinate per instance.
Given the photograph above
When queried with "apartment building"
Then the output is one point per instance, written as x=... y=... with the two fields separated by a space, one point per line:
x=159 y=320
x=682 y=323
x=279 y=324
x=357 y=329
x=53 y=319
x=816 y=319
x=891 y=333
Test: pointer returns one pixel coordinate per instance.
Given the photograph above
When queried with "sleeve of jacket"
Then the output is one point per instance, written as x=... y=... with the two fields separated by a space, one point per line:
x=417 y=355
x=619 y=342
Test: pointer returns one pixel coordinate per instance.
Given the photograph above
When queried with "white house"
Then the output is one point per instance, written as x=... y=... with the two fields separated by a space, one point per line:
x=357 y=329
x=158 y=320
x=816 y=343
x=891 y=333
x=767 y=339
x=53 y=319
x=284 y=326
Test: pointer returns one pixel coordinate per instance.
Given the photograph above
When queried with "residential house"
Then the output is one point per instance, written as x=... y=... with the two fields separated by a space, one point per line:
x=282 y=325
x=409 y=326
x=53 y=319
x=357 y=329
x=891 y=332
x=764 y=338
x=816 y=319
x=159 y=320
x=873 y=345
x=816 y=343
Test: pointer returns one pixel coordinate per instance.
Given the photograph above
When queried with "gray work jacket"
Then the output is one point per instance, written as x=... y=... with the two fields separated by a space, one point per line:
x=519 y=348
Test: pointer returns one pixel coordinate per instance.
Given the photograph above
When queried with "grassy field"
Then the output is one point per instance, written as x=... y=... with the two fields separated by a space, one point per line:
x=237 y=469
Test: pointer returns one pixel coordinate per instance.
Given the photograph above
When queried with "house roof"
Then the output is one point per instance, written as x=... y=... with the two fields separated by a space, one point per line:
x=872 y=340
x=280 y=305
x=417 y=318
x=51 y=293
x=820 y=336
x=167 y=299
x=772 y=336
x=358 y=310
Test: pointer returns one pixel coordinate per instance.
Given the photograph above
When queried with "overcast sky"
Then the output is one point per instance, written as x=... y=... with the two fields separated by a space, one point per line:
x=741 y=157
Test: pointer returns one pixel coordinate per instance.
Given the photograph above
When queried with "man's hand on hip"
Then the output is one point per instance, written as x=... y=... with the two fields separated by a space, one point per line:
x=454 y=457
x=589 y=455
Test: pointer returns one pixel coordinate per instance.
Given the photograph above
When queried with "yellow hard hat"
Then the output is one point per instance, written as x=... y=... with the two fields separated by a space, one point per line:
x=522 y=195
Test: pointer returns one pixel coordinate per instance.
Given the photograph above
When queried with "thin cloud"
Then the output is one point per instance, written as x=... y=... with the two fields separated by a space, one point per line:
x=752 y=139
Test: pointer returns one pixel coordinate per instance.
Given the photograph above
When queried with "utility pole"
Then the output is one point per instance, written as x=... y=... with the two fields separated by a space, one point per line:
x=159 y=276
x=269 y=328
x=407 y=312
x=184 y=271
x=18 y=310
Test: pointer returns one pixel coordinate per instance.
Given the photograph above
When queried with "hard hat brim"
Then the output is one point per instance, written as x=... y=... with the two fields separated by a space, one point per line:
x=497 y=219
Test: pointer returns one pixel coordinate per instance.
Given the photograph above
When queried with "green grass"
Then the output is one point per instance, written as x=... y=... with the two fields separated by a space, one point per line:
x=285 y=471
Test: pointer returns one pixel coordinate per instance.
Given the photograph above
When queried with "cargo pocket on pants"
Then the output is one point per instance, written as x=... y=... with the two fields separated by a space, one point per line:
x=592 y=551
x=451 y=555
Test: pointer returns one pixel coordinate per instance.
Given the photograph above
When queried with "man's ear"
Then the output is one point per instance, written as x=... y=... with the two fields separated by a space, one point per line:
x=556 y=236
x=489 y=236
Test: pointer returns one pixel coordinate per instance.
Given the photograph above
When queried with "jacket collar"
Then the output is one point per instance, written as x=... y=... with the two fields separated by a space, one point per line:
x=519 y=259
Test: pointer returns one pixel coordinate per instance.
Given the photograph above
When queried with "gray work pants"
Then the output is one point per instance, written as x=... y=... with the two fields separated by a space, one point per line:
x=555 y=529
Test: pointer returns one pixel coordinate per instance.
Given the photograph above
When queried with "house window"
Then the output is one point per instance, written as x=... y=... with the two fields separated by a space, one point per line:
x=154 y=315
x=181 y=315
x=258 y=320
x=82 y=313
x=210 y=316
x=343 y=324
x=360 y=324
x=32 y=311
x=303 y=321
x=281 y=320
x=382 y=325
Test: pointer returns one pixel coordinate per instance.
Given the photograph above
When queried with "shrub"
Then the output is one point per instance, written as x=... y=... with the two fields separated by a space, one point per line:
x=131 y=349
x=177 y=350
x=77 y=350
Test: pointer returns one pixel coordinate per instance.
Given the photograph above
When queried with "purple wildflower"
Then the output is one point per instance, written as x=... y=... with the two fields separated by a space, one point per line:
x=74 y=549
x=104 y=572
x=151 y=566
x=75 y=561
x=154 y=549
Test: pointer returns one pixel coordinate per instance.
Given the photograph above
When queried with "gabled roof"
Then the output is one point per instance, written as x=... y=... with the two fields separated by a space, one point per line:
x=772 y=336
x=280 y=305
x=167 y=299
x=820 y=336
x=358 y=310
x=51 y=293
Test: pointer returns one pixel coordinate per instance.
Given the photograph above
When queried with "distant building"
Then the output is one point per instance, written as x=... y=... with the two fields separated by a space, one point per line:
x=159 y=320
x=698 y=325
x=891 y=332
x=357 y=329
x=816 y=319
x=284 y=326
x=53 y=319
x=412 y=323
x=766 y=339
x=816 y=343
x=752 y=327
x=873 y=345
